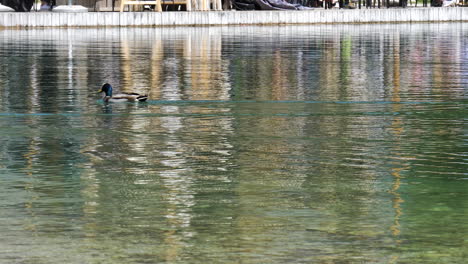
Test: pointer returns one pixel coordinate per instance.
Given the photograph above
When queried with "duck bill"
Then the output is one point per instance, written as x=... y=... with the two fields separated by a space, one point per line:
x=100 y=91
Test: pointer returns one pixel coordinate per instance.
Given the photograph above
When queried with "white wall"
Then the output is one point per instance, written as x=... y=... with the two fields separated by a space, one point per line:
x=316 y=16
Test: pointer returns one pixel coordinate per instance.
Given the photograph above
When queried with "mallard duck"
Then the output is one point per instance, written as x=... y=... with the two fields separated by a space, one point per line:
x=121 y=97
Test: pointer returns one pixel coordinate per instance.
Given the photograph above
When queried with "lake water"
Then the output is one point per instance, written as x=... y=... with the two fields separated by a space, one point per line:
x=294 y=144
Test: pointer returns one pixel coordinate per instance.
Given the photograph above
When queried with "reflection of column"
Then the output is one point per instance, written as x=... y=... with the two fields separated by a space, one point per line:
x=345 y=79
x=187 y=43
x=279 y=77
x=177 y=183
x=396 y=200
x=30 y=157
x=397 y=128
x=70 y=62
x=34 y=93
x=329 y=80
x=127 y=80
x=396 y=66
x=157 y=58
x=141 y=50
x=446 y=61
x=208 y=71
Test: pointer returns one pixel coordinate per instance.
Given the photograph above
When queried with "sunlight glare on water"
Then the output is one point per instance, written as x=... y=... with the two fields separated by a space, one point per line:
x=293 y=144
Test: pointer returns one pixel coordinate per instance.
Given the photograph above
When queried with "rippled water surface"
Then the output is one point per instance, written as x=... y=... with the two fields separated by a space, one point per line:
x=313 y=144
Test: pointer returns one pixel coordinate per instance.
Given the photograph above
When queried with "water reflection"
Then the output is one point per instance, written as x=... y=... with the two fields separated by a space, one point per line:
x=291 y=144
x=357 y=64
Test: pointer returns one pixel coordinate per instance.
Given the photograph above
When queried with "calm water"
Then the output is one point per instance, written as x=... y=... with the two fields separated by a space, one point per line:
x=317 y=144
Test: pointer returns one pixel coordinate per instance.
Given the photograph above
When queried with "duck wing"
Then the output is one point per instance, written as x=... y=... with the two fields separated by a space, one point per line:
x=138 y=97
x=131 y=97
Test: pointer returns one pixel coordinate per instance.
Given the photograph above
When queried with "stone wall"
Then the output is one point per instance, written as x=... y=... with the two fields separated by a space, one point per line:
x=212 y=18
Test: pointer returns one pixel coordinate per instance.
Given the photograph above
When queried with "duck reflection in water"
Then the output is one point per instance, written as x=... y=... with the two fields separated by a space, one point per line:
x=121 y=97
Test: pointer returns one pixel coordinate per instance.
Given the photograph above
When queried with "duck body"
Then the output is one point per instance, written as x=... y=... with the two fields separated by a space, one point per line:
x=120 y=97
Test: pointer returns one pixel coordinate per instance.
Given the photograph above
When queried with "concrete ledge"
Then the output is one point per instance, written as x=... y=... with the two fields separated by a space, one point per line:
x=215 y=18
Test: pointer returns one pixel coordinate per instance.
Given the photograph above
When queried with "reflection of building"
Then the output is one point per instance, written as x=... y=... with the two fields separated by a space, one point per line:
x=215 y=158
x=184 y=67
x=189 y=65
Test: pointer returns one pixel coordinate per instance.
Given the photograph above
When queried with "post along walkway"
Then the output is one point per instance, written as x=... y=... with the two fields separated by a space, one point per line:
x=216 y=18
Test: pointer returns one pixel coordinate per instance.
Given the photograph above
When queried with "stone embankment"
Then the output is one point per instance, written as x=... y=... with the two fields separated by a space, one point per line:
x=224 y=18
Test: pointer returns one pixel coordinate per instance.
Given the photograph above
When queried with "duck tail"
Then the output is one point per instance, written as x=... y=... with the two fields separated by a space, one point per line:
x=142 y=98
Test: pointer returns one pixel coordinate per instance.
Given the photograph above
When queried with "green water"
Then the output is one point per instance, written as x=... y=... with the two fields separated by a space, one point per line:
x=313 y=144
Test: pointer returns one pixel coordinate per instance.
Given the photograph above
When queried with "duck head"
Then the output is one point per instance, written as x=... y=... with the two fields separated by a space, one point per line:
x=106 y=88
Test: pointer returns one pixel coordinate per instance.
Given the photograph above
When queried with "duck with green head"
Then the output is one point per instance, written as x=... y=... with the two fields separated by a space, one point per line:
x=121 y=97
